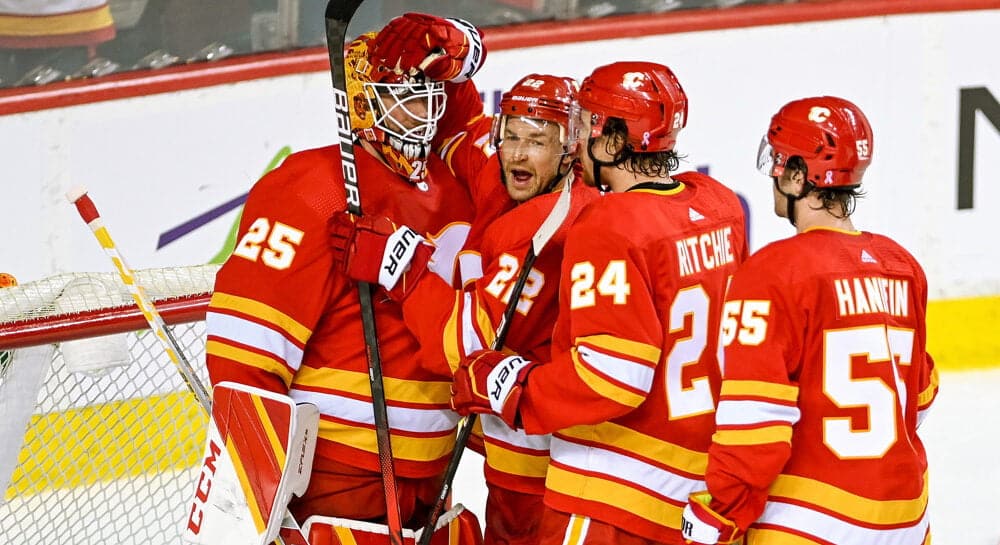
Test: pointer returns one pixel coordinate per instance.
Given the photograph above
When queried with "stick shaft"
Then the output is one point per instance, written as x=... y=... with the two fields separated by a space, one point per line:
x=338 y=16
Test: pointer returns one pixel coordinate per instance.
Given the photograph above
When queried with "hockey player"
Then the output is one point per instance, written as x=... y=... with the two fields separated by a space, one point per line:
x=283 y=319
x=826 y=374
x=536 y=139
x=629 y=390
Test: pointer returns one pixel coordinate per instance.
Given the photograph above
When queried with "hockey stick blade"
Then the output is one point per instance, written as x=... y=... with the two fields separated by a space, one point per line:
x=338 y=17
x=546 y=230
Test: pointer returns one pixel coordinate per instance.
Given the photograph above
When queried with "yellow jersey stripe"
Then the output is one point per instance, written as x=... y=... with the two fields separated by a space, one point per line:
x=755 y=436
x=859 y=508
x=451 y=340
x=269 y=314
x=757 y=388
x=418 y=449
x=602 y=491
x=927 y=395
x=775 y=537
x=251 y=359
x=516 y=463
x=642 y=351
x=603 y=387
x=357 y=383
x=647 y=446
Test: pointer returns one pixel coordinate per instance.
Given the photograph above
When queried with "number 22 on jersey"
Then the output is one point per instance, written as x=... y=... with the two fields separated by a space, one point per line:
x=502 y=284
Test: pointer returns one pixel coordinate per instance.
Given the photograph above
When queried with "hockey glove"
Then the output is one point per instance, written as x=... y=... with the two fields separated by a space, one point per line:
x=371 y=249
x=700 y=524
x=443 y=49
x=488 y=381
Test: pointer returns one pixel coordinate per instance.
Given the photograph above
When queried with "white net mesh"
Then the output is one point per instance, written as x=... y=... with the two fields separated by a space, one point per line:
x=101 y=439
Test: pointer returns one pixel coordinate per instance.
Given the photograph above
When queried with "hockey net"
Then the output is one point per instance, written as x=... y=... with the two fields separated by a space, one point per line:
x=100 y=437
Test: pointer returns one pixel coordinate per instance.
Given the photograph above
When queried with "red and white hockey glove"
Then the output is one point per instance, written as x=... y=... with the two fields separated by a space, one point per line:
x=371 y=249
x=700 y=524
x=443 y=49
x=490 y=382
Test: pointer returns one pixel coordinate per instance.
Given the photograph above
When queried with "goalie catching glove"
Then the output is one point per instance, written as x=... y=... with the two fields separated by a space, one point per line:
x=701 y=524
x=490 y=382
x=372 y=249
x=443 y=49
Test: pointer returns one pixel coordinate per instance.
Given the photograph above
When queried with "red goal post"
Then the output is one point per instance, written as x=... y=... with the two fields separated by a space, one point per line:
x=101 y=436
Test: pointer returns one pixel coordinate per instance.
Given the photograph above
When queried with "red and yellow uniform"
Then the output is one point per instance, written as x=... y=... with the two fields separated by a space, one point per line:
x=826 y=380
x=630 y=390
x=455 y=324
x=283 y=318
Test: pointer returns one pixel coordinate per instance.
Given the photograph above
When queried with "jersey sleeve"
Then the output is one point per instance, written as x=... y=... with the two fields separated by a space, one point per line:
x=258 y=322
x=607 y=338
x=758 y=399
x=928 y=381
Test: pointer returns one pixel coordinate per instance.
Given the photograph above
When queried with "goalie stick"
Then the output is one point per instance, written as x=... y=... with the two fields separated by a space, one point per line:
x=541 y=237
x=88 y=212
x=338 y=16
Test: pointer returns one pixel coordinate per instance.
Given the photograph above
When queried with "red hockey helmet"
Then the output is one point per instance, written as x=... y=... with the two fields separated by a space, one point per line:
x=831 y=134
x=545 y=97
x=646 y=95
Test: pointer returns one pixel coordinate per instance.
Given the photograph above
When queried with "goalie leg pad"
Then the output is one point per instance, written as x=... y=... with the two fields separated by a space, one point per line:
x=259 y=451
x=457 y=526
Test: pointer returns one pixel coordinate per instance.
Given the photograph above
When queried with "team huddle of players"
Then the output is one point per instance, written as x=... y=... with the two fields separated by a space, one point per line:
x=658 y=383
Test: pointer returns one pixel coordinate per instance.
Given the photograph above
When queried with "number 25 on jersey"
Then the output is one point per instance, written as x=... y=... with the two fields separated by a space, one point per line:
x=274 y=245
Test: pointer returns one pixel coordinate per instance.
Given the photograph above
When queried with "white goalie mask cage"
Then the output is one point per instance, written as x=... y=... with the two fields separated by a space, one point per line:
x=408 y=111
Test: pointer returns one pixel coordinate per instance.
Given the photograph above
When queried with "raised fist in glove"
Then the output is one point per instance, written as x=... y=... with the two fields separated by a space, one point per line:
x=488 y=381
x=443 y=49
x=700 y=524
x=372 y=249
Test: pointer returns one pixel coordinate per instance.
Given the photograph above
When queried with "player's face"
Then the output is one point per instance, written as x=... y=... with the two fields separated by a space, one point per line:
x=531 y=154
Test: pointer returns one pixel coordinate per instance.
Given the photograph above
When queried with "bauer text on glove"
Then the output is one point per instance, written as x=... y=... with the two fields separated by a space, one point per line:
x=371 y=249
x=488 y=381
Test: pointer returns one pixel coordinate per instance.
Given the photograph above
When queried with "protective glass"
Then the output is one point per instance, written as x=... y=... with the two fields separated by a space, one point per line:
x=766 y=159
x=409 y=111
x=530 y=138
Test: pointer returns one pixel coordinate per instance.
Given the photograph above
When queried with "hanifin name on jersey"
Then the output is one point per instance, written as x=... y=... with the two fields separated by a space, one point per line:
x=871 y=295
x=705 y=251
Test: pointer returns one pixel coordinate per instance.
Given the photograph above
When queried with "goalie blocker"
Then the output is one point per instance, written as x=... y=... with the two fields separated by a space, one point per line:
x=258 y=452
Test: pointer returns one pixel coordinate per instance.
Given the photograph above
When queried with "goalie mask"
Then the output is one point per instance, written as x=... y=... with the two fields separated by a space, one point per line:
x=395 y=112
x=830 y=134
x=539 y=117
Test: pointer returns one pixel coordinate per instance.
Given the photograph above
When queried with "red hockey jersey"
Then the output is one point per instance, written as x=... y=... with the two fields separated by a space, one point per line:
x=630 y=391
x=826 y=380
x=457 y=323
x=282 y=318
